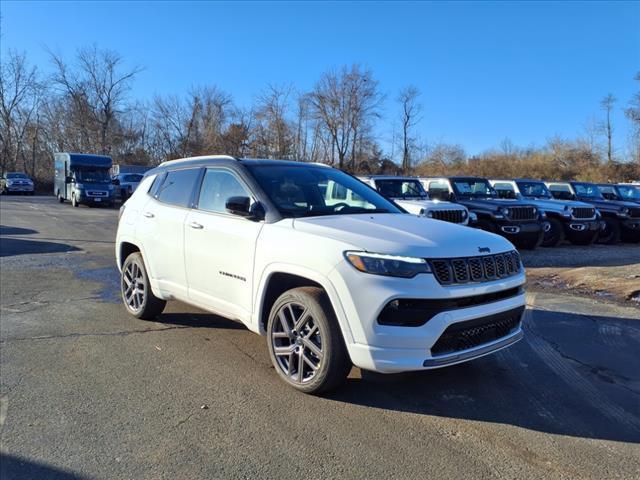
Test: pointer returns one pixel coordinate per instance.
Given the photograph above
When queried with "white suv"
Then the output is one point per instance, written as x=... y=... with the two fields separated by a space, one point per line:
x=409 y=193
x=330 y=283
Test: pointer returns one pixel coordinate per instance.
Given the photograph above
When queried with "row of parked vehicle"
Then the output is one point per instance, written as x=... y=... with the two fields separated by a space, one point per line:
x=528 y=212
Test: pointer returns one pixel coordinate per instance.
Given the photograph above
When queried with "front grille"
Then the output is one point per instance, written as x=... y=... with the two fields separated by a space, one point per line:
x=521 y=213
x=583 y=212
x=476 y=269
x=634 y=212
x=453 y=216
x=474 y=333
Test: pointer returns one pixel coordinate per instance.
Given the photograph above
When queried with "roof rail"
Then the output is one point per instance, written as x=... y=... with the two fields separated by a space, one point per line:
x=201 y=157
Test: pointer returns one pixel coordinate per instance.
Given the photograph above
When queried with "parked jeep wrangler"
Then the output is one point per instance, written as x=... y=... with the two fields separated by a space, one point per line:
x=621 y=219
x=621 y=192
x=577 y=222
x=521 y=222
x=409 y=193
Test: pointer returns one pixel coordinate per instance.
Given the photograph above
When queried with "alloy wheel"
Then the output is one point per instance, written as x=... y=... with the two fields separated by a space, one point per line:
x=297 y=343
x=133 y=289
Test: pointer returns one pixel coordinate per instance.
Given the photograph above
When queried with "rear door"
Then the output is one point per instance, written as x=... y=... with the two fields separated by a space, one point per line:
x=161 y=228
x=220 y=247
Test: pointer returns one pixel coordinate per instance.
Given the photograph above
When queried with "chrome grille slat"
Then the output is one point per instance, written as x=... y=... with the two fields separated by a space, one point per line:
x=476 y=269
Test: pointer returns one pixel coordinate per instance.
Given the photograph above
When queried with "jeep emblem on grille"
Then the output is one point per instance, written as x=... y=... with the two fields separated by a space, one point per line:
x=484 y=250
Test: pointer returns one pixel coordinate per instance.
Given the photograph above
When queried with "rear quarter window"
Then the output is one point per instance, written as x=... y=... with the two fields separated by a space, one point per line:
x=177 y=187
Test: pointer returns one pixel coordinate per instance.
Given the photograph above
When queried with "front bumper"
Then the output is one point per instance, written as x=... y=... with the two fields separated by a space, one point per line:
x=390 y=349
x=19 y=188
x=87 y=198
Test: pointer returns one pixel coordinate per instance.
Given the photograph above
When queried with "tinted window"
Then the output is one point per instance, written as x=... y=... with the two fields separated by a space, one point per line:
x=401 y=188
x=534 y=189
x=133 y=178
x=302 y=191
x=217 y=187
x=476 y=187
x=587 y=190
x=178 y=186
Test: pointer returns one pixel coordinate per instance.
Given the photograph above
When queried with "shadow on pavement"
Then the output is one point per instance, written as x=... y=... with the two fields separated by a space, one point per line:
x=16 y=468
x=572 y=375
x=199 y=320
x=14 y=246
x=6 y=230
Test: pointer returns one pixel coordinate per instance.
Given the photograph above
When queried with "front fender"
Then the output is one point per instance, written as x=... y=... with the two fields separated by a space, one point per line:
x=322 y=280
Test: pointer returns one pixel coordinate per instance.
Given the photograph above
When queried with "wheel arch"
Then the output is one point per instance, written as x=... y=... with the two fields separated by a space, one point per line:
x=279 y=279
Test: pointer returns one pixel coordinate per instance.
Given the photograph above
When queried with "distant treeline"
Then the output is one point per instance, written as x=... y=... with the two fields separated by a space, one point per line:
x=84 y=105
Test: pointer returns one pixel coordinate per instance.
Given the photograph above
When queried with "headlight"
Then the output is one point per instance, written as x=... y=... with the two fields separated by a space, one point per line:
x=504 y=211
x=624 y=211
x=110 y=188
x=430 y=214
x=464 y=214
x=387 y=265
x=568 y=211
x=534 y=210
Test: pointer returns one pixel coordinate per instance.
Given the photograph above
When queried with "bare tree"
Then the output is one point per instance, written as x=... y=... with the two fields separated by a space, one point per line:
x=20 y=96
x=607 y=105
x=274 y=133
x=408 y=99
x=632 y=112
x=344 y=102
x=98 y=87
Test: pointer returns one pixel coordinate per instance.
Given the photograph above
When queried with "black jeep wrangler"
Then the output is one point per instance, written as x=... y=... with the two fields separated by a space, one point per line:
x=522 y=223
x=622 y=219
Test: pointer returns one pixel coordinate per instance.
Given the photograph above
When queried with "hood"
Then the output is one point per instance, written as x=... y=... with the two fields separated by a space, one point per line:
x=415 y=206
x=611 y=205
x=557 y=205
x=492 y=204
x=402 y=234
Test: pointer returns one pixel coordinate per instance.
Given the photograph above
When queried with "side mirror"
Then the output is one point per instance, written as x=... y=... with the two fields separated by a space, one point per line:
x=68 y=179
x=242 y=207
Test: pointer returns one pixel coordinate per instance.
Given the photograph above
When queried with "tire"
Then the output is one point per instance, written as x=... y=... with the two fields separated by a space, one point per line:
x=311 y=357
x=529 y=242
x=485 y=225
x=612 y=232
x=555 y=236
x=74 y=202
x=136 y=292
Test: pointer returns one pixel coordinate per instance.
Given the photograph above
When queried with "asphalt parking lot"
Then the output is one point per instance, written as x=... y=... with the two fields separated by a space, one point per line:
x=89 y=392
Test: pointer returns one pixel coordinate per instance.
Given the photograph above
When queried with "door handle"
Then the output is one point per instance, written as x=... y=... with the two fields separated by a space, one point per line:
x=196 y=225
x=148 y=214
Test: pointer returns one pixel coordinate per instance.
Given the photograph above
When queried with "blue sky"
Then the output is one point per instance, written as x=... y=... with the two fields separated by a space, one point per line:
x=488 y=71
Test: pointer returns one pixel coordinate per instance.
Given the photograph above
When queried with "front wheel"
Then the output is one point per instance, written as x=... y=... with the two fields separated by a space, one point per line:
x=555 y=235
x=305 y=342
x=137 y=296
x=611 y=233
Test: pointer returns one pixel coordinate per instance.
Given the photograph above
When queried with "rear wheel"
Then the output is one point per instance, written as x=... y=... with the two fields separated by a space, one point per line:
x=530 y=242
x=555 y=235
x=305 y=342
x=611 y=233
x=137 y=296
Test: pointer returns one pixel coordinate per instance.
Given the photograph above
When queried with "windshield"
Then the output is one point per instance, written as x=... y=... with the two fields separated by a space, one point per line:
x=132 y=178
x=588 y=190
x=309 y=191
x=629 y=192
x=16 y=175
x=534 y=189
x=92 y=176
x=399 y=188
x=474 y=187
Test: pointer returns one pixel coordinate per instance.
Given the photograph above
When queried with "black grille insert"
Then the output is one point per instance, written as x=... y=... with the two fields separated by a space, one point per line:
x=476 y=269
x=474 y=333
x=583 y=212
x=522 y=213
x=453 y=216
